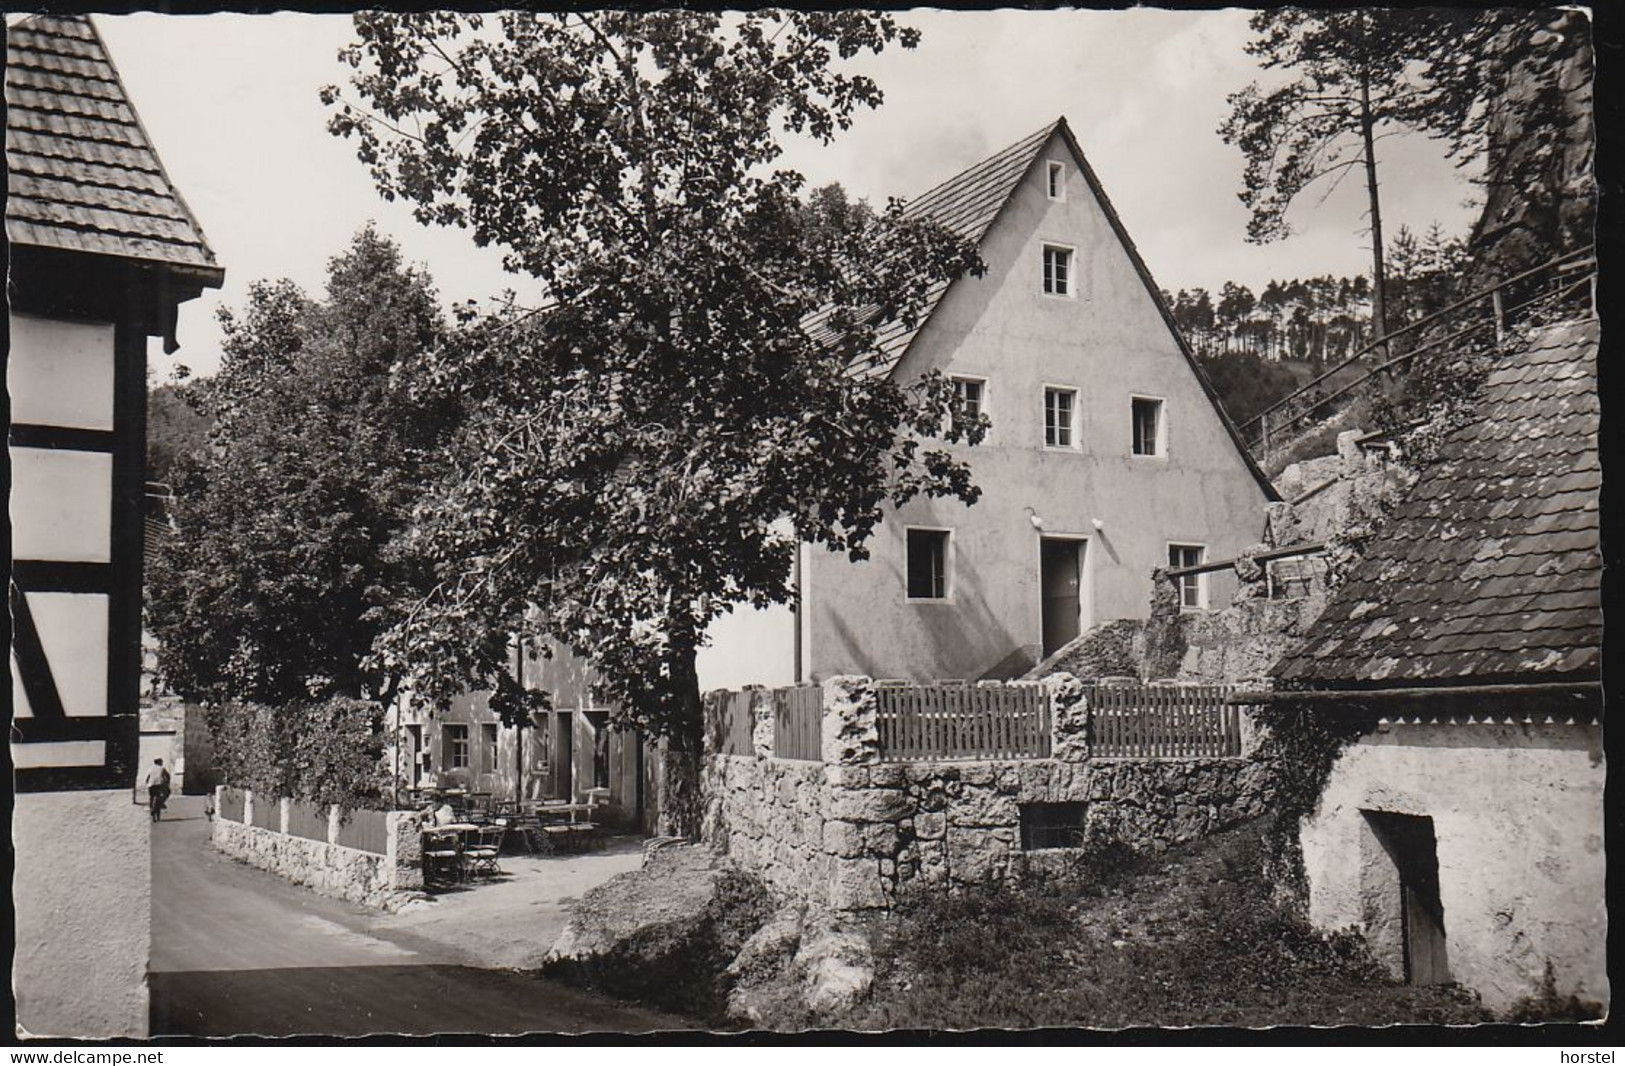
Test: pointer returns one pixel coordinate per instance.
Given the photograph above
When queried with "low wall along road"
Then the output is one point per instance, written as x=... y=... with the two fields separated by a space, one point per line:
x=368 y=857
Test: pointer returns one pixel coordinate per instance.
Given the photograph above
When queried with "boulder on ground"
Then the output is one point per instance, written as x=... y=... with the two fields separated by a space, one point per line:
x=840 y=969
x=663 y=934
x=761 y=991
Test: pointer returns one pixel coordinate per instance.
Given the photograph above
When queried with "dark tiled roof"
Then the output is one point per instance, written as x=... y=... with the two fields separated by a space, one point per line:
x=1491 y=568
x=967 y=204
x=82 y=175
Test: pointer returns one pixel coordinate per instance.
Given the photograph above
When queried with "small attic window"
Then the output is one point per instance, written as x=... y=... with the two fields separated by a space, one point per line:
x=1056 y=178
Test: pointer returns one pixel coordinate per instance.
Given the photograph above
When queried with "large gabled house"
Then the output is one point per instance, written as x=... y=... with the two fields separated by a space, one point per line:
x=1108 y=454
x=1461 y=829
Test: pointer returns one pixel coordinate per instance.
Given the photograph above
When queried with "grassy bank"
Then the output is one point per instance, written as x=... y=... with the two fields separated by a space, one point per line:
x=1187 y=938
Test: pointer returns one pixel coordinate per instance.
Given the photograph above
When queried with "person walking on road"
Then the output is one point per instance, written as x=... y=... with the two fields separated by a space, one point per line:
x=157 y=788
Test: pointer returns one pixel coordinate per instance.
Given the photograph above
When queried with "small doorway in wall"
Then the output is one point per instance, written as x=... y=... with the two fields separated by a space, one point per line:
x=1060 y=582
x=564 y=755
x=1410 y=845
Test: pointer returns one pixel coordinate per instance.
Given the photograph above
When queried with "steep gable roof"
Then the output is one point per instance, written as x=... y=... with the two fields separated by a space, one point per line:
x=967 y=204
x=970 y=202
x=82 y=175
x=1491 y=569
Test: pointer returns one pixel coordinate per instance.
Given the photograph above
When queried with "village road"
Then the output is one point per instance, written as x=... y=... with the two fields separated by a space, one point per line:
x=236 y=950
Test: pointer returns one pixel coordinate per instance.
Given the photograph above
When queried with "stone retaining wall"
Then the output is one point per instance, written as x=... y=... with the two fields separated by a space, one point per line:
x=769 y=816
x=854 y=832
x=386 y=881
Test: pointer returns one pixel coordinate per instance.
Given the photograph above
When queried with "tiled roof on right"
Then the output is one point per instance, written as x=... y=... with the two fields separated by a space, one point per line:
x=1491 y=568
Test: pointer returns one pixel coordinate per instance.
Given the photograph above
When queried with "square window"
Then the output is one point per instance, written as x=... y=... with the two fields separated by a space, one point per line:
x=1147 y=426
x=1192 y=587
x=1057 y=270
x=968 y=396
x=1057 y=181
x=457 y=747
x=1052 y=825
x=927 y=564
x=1060 y=418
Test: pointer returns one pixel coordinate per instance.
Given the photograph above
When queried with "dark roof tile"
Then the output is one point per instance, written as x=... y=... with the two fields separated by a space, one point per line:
x=1491 y=567
x=81 y=173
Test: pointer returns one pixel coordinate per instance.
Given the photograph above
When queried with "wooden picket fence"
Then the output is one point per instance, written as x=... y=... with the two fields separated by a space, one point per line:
x=798 y=722
x=730 y=723
x=958 y=721
x=1163 y=721
x=925 y=722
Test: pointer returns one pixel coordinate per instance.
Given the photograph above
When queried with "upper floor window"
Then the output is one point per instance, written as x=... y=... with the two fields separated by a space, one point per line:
x=1060 y=417
x=457 y=747
x=1148 y=427
x=1192 y=587
x=968 y=395
x=1055 y=176
x=927 y=564
x=1057 y=270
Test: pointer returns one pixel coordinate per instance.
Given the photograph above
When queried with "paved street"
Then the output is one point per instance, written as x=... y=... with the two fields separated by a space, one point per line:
x=236 y=950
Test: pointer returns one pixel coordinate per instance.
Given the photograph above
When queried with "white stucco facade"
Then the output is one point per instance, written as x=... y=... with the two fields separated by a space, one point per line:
x=1106 y=342
x=1517 y=811
x=82 y=889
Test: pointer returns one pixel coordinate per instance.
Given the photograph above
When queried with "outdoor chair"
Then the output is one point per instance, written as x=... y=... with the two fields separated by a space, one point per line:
x=480 y=856
x=558 y=836
x=583 y=835
x=442 y=855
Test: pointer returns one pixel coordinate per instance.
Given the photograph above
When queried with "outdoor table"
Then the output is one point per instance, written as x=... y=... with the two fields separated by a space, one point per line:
x=571 y=809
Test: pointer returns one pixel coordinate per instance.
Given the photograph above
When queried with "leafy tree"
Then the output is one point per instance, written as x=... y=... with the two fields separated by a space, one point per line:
x=651 y=446
x=1352 y=75
x=283 y=567
x=1246 y=384
x=175 y=428
x=1428 y=273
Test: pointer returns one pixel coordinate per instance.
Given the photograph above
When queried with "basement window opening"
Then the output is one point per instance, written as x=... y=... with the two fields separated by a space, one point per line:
x=1045 y=826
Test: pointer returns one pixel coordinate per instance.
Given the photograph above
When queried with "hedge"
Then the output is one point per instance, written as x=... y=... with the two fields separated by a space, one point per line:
x=327 y=752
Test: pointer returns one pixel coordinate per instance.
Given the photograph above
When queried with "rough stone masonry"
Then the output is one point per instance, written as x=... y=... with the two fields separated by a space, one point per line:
x=854 y=831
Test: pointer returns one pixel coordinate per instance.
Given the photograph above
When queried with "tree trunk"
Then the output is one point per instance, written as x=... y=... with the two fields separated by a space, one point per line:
x=679 y=792
x=1379 y=282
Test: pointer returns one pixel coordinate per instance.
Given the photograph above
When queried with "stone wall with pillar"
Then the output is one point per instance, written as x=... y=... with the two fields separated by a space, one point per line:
x=854 y=831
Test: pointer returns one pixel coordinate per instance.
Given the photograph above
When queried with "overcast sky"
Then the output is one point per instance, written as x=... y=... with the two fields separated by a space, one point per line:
x=231 y=103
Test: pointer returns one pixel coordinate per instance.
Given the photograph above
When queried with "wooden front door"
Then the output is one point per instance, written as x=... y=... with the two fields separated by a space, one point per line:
x=564 y=755
x=1061 y=586
x=1410 y=841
